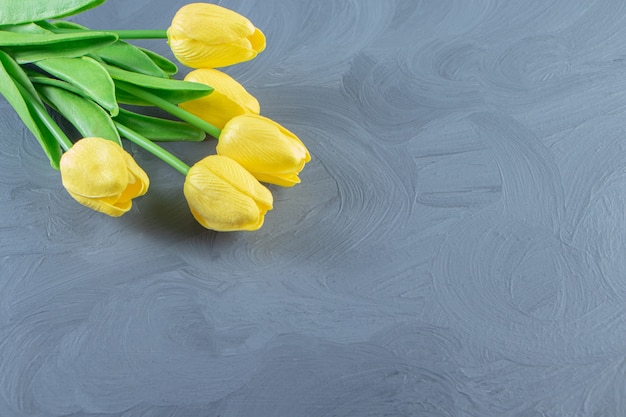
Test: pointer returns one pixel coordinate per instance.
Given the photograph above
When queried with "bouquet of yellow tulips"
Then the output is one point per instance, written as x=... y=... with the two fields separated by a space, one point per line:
x=48 y=64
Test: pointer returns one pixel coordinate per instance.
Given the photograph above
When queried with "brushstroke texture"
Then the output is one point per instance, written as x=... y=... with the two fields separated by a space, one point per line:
x=456 y=246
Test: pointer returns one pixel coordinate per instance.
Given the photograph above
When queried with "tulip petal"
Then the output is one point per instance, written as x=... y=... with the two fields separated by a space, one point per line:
x=282 y=129
x=266 y=149
x=210 y=23
x=224 y=208
x=94 y=168
x=113 y=210
x=257 y=41
x=205 y=35
x=227 y=86
x=228 y=100
x=286 y=180
x=137 y=175
x=134 y=188
x=232 y=173
x=223 y=196
x=99 y=174
x=197 y=54
x=217 y=110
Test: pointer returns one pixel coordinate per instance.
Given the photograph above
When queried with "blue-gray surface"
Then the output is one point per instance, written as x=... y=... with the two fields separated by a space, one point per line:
x=456 y=246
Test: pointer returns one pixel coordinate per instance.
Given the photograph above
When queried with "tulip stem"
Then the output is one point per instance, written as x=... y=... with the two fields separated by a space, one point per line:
x=139 y=34
x=153 y=148
x=122 y=34
x=173 y=109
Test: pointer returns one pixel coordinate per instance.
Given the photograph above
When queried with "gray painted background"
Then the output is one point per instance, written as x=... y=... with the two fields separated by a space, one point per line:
x=456 y=248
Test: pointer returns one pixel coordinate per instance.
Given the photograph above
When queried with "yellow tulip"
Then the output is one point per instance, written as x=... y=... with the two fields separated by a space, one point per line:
x=266 y=149
x=99 y=174
x=206 y=35
x=224 y=197
x=229 y=98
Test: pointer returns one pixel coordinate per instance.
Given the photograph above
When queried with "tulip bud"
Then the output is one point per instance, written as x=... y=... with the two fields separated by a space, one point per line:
x=224 y=197
x=228 y=99
x=101 y=175
x=263 y=147
x=206 y=35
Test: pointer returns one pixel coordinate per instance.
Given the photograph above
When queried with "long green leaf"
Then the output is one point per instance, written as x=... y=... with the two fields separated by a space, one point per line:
x=38 y=78
x=160 y=130
x=165 y=64
x=86 y=116
x=9 y=77
x=87 y=75
x=174 y=91
x=62 y=24
x=21 y=11
x=126 y=56
x=121 y=54
x=31 y=47
x=19 y=75
x=30 y=27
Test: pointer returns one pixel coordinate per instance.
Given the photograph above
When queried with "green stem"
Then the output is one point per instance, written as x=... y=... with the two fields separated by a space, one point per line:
x=153 y=148
x=122 y=34
x=172 y=109
x=45 y=118
x=139 y=34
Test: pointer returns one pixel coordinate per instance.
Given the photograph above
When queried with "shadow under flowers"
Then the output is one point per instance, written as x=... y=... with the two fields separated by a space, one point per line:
x=163 y=214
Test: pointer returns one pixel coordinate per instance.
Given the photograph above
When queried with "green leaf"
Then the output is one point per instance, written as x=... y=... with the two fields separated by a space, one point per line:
x=87 y=75
x=159 y=130
x=12 y=90
x=62 y=24
x=165 y=64
x=86 y=116
x=25 y=28
x=174 y=91
x=19 y=75
x=22 y=11
x=126 y=56
x=38 y=78
x=121 y=54
x=31 y=47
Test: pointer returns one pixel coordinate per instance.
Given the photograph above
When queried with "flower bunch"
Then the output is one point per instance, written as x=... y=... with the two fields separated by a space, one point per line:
x=88 y=77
